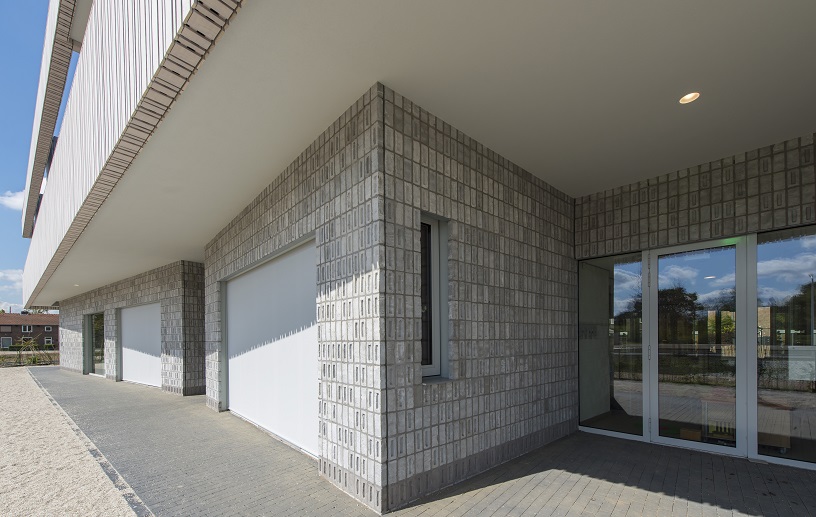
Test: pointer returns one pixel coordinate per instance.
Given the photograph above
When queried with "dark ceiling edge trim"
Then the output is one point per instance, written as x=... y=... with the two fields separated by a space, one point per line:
x=55 y=79
x=205 y=23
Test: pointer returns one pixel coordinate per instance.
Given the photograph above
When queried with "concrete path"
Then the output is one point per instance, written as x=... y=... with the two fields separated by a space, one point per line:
x=181 y=458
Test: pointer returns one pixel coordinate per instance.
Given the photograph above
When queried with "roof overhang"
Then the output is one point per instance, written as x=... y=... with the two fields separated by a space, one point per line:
x=584 y=97
x=65 y=28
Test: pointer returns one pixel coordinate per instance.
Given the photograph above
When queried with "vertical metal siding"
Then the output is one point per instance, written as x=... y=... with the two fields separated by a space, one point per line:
x=53 y=72
x=130 y=46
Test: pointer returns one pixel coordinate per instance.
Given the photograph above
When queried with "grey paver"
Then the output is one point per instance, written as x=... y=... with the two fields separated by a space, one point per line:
x=184 y=459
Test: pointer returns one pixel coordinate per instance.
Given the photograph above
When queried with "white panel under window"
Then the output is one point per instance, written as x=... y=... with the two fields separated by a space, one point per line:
x=141 y=344
x=271 y=335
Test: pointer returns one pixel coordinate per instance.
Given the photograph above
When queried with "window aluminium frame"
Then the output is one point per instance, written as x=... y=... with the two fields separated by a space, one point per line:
x=434 y=297
x=5 y=342
x=746 y=414
x=26 y=328
x=49 y=340
x=47 y=328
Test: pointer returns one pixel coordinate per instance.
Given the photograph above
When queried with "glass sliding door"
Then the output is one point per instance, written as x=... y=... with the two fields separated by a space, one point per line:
x=786 y=345
x=710 y=346
x=610 y=344
x=696 y=346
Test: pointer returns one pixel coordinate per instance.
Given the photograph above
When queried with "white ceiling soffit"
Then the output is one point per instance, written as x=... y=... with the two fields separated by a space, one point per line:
x=582 y=94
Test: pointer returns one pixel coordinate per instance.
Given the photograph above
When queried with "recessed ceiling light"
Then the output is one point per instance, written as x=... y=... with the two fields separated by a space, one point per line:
x=689 y=97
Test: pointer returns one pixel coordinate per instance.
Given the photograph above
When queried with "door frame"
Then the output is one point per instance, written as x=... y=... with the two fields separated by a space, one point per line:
x=88 y=344
x=742 y=349
x=746 y=368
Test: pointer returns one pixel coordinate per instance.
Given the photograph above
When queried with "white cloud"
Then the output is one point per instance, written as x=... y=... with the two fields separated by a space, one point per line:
x=11 y=286
x=626 y=280
x=12 y=200
x=791 y=270
x=627 y=287
x=714 y=296
x=727 y=280
x=11 y=307
x=11 y=280
x=677 y=275
x=781 y=296
x=623 y=305
x=808 y=243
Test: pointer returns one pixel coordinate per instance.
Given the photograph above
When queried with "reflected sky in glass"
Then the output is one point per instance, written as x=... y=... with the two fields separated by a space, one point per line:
x=783 y=267
x=710 y=273
x=627 y=286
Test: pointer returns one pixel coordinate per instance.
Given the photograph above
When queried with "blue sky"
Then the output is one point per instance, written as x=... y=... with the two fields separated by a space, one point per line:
x=23 y=28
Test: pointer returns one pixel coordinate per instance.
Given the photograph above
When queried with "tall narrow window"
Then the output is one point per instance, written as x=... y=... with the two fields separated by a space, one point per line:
x=425 y=292
x=433 y=297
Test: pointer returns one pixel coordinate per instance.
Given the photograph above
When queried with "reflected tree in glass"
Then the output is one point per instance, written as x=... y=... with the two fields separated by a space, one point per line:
x=696 y=319
x=786 y=355
x=98 y=343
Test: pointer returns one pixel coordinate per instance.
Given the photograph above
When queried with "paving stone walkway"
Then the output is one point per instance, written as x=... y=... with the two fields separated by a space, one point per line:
x=181 y=458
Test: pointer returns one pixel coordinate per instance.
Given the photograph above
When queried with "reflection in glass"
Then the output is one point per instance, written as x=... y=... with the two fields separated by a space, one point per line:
x=425 y=293
x=610 y=344
x=786 y=355
x=98 y=344
x=696 y=320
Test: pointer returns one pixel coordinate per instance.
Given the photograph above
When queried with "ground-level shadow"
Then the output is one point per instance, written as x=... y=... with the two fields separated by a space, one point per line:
x=547 y=474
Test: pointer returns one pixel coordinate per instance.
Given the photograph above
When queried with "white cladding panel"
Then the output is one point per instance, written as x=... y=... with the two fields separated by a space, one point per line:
x=123 y=47
x=45 y=70
x=272 y=346
x=141 y=344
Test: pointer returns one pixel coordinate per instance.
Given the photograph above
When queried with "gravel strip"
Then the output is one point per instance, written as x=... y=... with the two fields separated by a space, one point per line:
x=45 y=466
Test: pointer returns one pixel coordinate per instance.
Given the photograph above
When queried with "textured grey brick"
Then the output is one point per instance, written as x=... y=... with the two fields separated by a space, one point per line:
x=772 y=185
x=512 y=346
x=360 y=188
x=178 y=287
x=332 y=191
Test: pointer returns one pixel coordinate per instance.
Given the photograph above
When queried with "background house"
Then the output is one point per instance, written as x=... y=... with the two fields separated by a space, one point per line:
x=42 y=329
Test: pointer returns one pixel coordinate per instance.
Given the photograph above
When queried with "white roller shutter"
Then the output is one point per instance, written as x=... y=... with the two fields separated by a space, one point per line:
x=272 y=346
x=141 y=344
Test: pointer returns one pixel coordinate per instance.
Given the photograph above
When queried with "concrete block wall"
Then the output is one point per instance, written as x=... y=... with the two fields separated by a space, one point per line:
x=332 y=191
x=769 y=188
x=179 y=289
x=513 y=380
x=387 y=437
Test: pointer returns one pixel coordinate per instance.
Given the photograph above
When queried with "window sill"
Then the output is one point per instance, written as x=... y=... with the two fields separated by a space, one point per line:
x=436 y=379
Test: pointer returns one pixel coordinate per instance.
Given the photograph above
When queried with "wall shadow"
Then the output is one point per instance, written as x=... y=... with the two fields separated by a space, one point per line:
x=698 y=477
